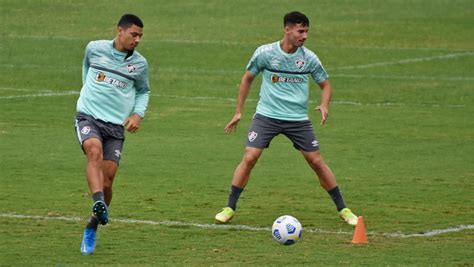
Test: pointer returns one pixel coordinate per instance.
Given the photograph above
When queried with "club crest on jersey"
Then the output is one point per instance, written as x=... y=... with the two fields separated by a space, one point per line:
x=300 y=63
x=131 y=68
x=252 y=136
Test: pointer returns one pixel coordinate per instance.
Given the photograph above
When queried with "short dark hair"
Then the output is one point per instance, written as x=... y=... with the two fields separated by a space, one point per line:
x=295 y=17
x=128 y=20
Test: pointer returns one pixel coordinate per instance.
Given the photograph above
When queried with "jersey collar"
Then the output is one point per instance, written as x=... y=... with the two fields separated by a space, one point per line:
x=120 y=55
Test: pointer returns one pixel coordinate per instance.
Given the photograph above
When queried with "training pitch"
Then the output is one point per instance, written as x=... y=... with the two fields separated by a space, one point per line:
x=400 y=136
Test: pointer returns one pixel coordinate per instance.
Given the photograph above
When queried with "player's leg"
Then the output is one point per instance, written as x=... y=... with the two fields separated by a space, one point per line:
x=112 y=155
x=242 y=172
x=94 y=154
x=89 y=134
x=261 y=133
x=303 y=138
x=111 y=148
x=95 y=178
x=327 y=179
x=109 y=169
x=89 y=137
x=239 y=181
x=325 y=175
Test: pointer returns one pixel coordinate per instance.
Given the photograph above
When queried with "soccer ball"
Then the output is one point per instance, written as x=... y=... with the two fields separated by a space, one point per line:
x=286 y=230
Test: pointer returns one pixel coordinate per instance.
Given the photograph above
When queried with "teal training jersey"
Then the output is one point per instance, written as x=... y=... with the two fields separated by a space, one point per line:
x=285 y=83
x=114 y=85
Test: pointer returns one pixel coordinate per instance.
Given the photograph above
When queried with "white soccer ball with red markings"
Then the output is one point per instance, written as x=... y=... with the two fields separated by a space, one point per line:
x=286 y=230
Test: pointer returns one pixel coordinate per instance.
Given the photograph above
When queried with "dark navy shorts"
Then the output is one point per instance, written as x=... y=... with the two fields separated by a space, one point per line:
x=111 y=135
x=263 y=129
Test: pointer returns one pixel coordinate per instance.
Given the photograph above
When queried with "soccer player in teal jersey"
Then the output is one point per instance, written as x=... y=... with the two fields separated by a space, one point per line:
x=114 y=95
x=283 y=109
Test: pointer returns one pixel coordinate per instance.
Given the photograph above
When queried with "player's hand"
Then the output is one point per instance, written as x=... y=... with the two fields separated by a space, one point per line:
x=324 y=113
x=132 y=123
x=232 y=125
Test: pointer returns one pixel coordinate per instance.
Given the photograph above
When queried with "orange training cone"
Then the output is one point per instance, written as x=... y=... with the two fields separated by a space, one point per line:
x=359 y=234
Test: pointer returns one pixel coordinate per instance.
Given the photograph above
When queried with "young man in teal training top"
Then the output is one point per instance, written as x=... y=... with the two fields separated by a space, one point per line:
x=283 y=109
x=114 y=95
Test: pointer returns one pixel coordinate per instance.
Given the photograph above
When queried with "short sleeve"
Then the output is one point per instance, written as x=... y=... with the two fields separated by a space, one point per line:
x=255 y=65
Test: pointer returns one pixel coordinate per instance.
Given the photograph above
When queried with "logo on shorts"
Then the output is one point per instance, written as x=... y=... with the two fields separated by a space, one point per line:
x=252 y=136
x=85 y=130
x=315 y=143
x=117 y=153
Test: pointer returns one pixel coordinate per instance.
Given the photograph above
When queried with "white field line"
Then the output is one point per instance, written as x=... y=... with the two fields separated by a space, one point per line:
x=47 y=94
x=403 y=77
x=22 y=89
x=428 y=233
x=348 y=103
x=406 y=61
x=164 y=39
x=206 y=98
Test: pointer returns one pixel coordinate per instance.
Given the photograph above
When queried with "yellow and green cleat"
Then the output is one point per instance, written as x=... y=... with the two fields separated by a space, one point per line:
x=347 y=216
x=225 y=215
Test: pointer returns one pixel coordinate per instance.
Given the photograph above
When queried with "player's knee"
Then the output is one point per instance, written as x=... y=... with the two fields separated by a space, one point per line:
x=93 y=152
x=317 y=162
x=250 y=160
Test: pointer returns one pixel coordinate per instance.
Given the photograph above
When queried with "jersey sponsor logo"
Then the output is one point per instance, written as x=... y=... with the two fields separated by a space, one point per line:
x=102 y=78
x=252 y=136
x=300 y=64
x=279 y=79
x=131 y=68
x=85 y=130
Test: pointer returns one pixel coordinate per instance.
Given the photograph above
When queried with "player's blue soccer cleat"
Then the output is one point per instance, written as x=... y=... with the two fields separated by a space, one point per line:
x=88 y=241
x=101 y=212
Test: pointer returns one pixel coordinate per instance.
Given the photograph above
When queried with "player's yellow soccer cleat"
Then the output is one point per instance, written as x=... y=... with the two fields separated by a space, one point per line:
x=225 y=215
x=349 y=217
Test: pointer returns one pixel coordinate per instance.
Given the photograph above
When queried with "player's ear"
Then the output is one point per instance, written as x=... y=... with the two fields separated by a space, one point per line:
x=120 y=30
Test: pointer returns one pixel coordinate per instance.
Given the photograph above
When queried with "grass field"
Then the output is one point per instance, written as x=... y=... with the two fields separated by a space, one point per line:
x=400 y=136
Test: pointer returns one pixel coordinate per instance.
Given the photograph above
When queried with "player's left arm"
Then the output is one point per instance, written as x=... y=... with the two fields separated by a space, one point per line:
x=142 y=96
x=326 y=93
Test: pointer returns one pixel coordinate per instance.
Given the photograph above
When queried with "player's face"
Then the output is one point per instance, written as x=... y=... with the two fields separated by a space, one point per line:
x=297 y=34
x=129 y=38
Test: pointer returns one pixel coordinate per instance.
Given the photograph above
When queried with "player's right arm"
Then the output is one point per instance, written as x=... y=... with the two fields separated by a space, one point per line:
x=244 y=89
x=86 y=63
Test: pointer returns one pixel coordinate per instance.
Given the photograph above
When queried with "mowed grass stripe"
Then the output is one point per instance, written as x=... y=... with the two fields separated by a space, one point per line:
x=221 y=72
x=207 y=98
x=426 y=233
x=226 y=42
